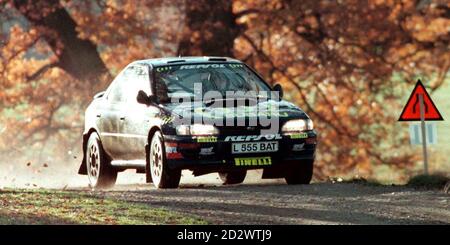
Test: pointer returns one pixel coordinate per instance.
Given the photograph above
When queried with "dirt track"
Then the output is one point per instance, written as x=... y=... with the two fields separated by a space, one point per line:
x=266 y=201
x=321 y=203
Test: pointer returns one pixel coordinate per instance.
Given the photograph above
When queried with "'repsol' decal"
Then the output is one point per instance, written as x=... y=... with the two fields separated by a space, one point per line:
x=253 y=137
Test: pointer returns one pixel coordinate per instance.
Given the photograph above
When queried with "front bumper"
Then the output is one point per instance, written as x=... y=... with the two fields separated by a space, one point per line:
x=215 y=153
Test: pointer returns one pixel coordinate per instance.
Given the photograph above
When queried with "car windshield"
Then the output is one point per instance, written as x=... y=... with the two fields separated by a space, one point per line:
x=190 y=80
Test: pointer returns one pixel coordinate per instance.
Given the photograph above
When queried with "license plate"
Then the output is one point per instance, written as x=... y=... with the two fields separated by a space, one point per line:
x=254 y=147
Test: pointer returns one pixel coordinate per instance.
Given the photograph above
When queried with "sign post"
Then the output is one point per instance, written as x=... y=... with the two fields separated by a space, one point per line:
x=424 y=134
x=421 y=108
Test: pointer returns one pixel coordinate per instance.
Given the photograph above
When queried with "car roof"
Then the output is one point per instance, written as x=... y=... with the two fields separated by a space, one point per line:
x=185 y=60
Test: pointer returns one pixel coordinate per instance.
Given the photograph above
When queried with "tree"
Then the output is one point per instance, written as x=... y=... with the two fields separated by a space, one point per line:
x=210 y=29
x=346 y=62
x=53 y=55
x=78 y=57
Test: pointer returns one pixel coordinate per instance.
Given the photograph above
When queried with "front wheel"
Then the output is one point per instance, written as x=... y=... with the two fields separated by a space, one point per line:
x=100 y=172
x=301 y=174
x=162 y=175
x=233 y=177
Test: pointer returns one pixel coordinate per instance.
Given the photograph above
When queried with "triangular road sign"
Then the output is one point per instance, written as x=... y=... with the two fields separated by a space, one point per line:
x=411 y=112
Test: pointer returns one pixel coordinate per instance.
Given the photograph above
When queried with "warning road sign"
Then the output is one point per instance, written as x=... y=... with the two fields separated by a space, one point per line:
x=411 y=111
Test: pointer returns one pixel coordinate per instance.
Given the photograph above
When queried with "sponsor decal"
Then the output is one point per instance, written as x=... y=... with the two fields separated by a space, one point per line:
x=199 y=66
x=207 y=151
x=167 y=119
x=175 y=155
x=163 y=69
x=171 y=149
x=202 y=66
x=235 y=65
x=172 y=152
x=253 y=137
x=253 y=161
x=299 y=136
x=298 y=147
x=207 y=139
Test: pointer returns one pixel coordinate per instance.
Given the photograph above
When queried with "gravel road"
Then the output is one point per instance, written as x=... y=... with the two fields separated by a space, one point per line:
x=273 y=203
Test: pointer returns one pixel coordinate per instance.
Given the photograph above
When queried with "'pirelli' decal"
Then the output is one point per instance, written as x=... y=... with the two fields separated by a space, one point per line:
x=299 y=136
x=253 y=161
x=207 y=139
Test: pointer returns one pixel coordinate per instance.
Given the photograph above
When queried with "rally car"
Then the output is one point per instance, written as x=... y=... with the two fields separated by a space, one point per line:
x=204 y=114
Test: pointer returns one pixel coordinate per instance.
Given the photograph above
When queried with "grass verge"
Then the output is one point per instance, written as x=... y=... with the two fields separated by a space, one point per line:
x=356 y=180
x=434 y=181
x=67 y=207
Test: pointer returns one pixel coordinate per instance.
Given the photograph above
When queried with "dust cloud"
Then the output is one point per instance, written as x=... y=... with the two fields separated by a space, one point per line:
x=62 y=175
x=17 y=173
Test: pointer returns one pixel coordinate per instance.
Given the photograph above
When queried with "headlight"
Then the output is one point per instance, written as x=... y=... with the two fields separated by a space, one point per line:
x=197 y=129
x=297 y=125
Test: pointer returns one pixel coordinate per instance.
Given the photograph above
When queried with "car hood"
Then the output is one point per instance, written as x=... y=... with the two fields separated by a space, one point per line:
x=281 y=109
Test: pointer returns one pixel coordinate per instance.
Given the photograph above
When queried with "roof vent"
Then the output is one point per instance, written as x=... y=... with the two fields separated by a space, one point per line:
x=217 y=59
x=175 y=61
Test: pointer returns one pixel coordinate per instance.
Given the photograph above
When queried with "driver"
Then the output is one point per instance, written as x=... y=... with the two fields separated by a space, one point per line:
x=220 y=81
x=161 y=91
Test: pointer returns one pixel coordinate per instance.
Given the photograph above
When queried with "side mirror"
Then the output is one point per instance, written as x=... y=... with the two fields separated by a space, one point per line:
x=145 y=99
x=277 y=88
x=99 y=95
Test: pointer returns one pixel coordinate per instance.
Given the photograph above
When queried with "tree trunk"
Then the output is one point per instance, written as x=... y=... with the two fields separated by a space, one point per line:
x=210 y=29
x=76 y=56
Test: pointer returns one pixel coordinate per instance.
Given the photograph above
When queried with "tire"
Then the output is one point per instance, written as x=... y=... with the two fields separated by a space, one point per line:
x=162 y=175
x=100 y=172
x=301 y=174
x=233 y=177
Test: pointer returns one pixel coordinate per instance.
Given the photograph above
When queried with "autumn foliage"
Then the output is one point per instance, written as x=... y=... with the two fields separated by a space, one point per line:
x=346 y=63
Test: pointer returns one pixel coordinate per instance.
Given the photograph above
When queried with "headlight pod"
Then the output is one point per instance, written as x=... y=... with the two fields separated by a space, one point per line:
x=197 y=129
x=297 y=125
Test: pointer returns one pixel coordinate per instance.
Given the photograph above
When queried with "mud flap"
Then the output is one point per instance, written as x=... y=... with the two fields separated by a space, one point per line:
x=148 y=175
x=83 y=168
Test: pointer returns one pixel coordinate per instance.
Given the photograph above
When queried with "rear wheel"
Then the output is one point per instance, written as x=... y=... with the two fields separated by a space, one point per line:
x=100 y=172
x=162 y=175
x=233 y=177
x=300 y=174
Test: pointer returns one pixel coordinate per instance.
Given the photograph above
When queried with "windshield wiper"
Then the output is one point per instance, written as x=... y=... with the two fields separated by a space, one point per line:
x=211 y=101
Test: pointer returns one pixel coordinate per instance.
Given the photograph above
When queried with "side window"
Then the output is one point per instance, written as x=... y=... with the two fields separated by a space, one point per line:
x=139 y=80
x=128 y=83
x=143 y=77
x=118 y=89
